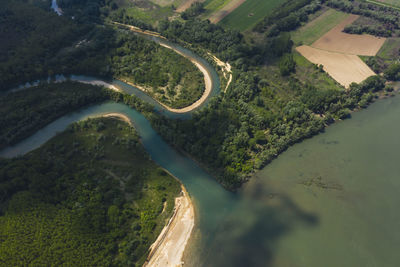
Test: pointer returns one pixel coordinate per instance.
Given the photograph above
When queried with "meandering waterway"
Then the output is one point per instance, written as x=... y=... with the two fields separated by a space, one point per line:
x=329 y=201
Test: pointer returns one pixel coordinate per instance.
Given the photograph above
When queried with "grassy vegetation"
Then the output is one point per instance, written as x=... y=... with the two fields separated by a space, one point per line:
x=150 y=15
x=175 y=3
x=391 y=2
x=388 y=55
x=89 y=197
x=249 y=14
x=211 y=6
x=309 y=73
x=168 y=77
x=313 y=30
x=387 y=3
x=33 y=51
x=390 y=49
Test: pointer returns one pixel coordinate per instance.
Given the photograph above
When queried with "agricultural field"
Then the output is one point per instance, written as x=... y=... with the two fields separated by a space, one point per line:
x=389 y=2
x=390 y=50
x=218 y=15
x=337 y=41
x=150 y=13
x=181 y=5
x=249 y=13
x=337 y=52
x=344 y=68
x=175 y=3
x=212 y=6
x=313 y=30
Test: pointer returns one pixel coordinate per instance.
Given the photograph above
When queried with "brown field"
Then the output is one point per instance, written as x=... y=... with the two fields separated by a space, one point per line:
x=223 y=12
x=344 y=68
x=337 y=41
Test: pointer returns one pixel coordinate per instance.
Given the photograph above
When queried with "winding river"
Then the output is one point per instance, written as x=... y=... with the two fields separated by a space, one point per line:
x=329 y=201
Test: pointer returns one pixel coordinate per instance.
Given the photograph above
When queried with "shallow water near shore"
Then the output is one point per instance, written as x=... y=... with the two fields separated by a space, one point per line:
x=329 y=201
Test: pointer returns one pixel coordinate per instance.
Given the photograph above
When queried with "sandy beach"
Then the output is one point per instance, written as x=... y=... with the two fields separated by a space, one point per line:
x=170 y=245
x=119 y=116
x=168 y=249
x=100 y=83
x=226 y=70
x=207 y=77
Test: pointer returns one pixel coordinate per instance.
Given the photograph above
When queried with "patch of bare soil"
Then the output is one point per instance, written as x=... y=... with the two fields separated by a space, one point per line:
x=344 y=68
x=168 y=249
x=356 y=44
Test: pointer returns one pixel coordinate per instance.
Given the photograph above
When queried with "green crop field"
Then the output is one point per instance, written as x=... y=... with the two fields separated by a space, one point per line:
x=387 y=3
x=214 y=5
x=390 y=2
x=390 y=49
x=249 y=13
x=150 y=16
x=313 y=30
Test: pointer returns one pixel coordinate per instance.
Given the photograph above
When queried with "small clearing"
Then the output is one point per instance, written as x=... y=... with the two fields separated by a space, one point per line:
x=337 y=41
x=344 y=68
x=225 y=11
x=249 y=13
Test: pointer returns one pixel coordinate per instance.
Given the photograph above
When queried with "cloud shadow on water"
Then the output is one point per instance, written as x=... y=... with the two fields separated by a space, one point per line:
x=249 y=235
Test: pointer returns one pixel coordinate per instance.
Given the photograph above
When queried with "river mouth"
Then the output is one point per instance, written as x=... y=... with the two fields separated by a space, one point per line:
x=329 y=201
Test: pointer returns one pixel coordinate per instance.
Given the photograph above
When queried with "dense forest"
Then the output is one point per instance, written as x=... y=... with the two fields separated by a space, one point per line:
x=88 y=197
x=277 y=98
x=91 y=196
x=34 y=50
x=26 y=111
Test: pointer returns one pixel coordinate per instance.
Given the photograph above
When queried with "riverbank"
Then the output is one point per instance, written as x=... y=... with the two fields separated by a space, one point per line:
x=118 y=116
x=195 y=105
x=170 y=245
x=206 y=74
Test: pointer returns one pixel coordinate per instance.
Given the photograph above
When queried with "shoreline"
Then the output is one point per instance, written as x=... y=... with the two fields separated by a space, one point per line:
x=118 y=116
x=191 y=107
x=171 y=243
x=206 y=74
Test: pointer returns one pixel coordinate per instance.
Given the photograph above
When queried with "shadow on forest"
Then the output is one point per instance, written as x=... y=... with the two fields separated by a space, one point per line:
x=248 y=236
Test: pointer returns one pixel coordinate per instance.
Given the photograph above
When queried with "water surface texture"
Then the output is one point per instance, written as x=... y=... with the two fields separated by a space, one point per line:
x=329 y=201
x=332 y=200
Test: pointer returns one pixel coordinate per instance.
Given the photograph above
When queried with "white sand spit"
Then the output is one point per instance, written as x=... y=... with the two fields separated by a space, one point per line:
x=168 y=249
x=226 y=69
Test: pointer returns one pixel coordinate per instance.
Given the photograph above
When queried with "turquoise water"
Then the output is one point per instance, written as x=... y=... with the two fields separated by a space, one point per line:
x=348 y=216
